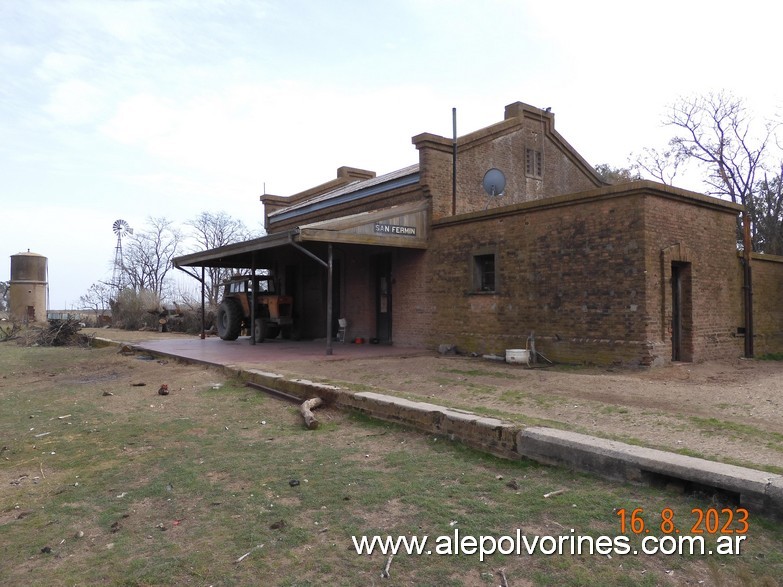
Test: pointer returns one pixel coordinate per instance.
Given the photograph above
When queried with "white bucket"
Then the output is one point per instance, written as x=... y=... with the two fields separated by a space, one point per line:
x=518 y=356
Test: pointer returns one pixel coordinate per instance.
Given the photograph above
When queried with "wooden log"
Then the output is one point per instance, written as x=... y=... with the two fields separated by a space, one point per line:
x=307 y=412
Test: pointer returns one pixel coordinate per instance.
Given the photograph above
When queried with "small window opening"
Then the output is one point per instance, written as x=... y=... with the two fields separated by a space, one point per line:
x=484 y=274
x=534 y=165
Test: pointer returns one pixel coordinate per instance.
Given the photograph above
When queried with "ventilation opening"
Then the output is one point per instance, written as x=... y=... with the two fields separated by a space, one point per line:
x=690 y=488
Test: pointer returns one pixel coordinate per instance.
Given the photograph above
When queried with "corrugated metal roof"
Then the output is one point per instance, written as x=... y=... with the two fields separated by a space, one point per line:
x=353 y=191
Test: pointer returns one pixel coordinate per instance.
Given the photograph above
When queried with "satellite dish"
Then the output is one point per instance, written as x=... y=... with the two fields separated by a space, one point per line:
x=494 y=182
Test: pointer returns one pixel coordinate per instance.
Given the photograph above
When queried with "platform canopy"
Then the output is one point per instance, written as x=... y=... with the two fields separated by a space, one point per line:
x=406 y=225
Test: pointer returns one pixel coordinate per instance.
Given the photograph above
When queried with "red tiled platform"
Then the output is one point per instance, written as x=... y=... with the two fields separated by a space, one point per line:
x=214 y=351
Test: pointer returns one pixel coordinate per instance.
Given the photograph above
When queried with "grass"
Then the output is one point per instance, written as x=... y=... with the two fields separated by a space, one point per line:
x=480 y=373
x=773 y=440
x=135 y=488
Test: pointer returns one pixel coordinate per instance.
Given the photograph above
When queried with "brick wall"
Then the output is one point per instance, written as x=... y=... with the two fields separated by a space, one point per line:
x=413 y=308
x=502 y=146
x=702 y=238
x=767 y=303
x=572 y=273
x=590 y=276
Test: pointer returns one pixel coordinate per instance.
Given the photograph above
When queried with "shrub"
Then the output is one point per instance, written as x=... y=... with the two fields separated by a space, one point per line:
x=135 y=310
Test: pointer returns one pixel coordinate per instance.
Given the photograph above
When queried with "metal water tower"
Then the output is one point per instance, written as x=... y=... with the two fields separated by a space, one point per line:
x=27 y=296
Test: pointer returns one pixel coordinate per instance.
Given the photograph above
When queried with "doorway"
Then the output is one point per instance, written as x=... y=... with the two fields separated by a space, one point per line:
x=682 y=308
x=383 y=298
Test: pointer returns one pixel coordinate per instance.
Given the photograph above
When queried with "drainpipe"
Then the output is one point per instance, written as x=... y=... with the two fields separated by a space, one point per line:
x=747 y=285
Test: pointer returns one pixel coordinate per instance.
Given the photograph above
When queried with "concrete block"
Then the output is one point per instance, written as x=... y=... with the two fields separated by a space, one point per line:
x=774 y=502
x=481 y=432
x=617 y=460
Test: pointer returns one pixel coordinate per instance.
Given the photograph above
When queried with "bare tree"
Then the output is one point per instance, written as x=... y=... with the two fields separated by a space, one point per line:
x=148 y=255
x=210 y=231
x=661 y=165
x=716 y=132
x=97 y=299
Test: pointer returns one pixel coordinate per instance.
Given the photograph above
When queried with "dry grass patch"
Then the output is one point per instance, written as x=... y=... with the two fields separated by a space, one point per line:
x=134 y=488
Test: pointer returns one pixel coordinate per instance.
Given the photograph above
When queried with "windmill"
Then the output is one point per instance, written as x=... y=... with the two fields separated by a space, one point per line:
x=121 y=228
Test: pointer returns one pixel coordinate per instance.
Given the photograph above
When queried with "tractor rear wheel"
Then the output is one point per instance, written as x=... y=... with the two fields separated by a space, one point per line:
x=229 y=319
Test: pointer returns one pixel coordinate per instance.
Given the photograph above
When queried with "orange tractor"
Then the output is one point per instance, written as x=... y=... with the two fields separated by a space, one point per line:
x=273 y=312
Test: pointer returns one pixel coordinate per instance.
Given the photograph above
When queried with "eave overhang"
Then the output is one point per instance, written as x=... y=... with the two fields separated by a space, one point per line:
x=405 y=226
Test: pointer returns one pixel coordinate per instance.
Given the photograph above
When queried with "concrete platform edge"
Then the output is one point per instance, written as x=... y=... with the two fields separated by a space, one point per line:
x=759 y=491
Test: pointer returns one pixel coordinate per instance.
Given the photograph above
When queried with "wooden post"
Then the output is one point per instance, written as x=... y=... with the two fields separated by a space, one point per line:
x=203 y=311
x=329 y=303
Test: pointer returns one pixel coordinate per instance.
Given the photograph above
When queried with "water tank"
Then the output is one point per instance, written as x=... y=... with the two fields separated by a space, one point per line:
x=28 y=292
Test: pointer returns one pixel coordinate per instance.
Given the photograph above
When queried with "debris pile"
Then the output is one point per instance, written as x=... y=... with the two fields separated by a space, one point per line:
x=54 y=333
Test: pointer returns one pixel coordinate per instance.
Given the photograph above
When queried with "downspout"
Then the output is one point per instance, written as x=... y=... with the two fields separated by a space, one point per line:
x=747 y=284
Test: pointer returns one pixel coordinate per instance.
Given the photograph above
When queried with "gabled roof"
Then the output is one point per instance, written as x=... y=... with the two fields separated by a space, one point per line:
x=351 y=192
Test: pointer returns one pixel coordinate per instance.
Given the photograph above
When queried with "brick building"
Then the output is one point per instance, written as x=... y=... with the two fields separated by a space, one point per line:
x=638 y=273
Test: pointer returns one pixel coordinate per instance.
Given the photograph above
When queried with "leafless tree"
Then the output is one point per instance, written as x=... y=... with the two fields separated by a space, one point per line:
x=211 y=230
x=97 y=299
x=716 y=132
x=661 y=165
x=148 y=255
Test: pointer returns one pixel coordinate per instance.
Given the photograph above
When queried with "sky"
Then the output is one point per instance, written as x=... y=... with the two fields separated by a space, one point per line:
x=132 y=109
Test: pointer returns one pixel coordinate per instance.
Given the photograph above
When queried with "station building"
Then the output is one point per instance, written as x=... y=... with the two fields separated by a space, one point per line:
x=639 y=273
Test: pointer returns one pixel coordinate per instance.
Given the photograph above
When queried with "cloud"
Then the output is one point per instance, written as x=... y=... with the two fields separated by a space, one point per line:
x=248 y=132
x=140 y=119
x=57 y=66
x=75 y=102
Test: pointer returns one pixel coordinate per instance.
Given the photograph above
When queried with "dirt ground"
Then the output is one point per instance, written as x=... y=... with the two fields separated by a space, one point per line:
x=722 y=411
x=730 y=411
x=126 y=486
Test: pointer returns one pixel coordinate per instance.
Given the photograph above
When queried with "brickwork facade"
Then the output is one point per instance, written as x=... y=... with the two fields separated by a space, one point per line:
x=697 y=234
x=583 y=274
x=556 y=168
x=635 y=274
x=767 y=303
